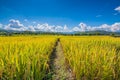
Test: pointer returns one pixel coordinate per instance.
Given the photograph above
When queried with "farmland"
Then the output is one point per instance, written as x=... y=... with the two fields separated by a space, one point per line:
x=87 y=57
x=93 y=58
x=25 y=58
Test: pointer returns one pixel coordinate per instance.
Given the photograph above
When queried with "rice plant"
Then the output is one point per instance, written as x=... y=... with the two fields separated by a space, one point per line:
x=25 y=58
x=93 y=58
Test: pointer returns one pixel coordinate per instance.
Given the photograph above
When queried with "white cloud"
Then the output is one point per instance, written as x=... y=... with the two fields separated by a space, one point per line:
x=51 y=28
x=15 y=25
x=76 y=29
x=112 y=28
x=44 y=27
x=66 y=29
x=117 y=9
x=58 y=29
x=115 y=27
x=82 y=27
x=104 y=27
x=31 y=28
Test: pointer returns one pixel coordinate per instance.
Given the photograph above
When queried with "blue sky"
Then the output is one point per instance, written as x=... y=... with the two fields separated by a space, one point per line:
x=60 y=12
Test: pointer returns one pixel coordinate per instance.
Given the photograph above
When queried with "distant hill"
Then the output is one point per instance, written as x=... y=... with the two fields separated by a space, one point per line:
x=97 y=32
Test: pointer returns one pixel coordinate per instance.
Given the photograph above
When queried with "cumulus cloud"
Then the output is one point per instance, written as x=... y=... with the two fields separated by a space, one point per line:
x=44 y=27
x=31 y=28
x=104 y=27
x=15 y=25
x=115 y=27
x=82 y=27
x=51 y=28
x=58 y=28
x=76 y=29
x=66 y=29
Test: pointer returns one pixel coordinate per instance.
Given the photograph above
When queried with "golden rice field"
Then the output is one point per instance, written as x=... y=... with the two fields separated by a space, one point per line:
x=25 y=58
x=93 y=58
x=89 y=57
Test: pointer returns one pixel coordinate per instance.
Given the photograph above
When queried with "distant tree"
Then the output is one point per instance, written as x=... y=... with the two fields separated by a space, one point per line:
x=97 y=33
x=112 y=34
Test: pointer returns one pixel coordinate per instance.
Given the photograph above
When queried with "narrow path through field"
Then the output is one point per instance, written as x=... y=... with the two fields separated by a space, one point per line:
x=60 y=72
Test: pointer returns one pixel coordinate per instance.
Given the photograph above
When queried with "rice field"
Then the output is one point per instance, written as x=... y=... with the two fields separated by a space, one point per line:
x=89 y=57
x=93 y=58
x=25 y=58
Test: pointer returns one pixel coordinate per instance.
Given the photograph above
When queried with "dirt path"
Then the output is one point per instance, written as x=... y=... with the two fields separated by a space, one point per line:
x=59 y=69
